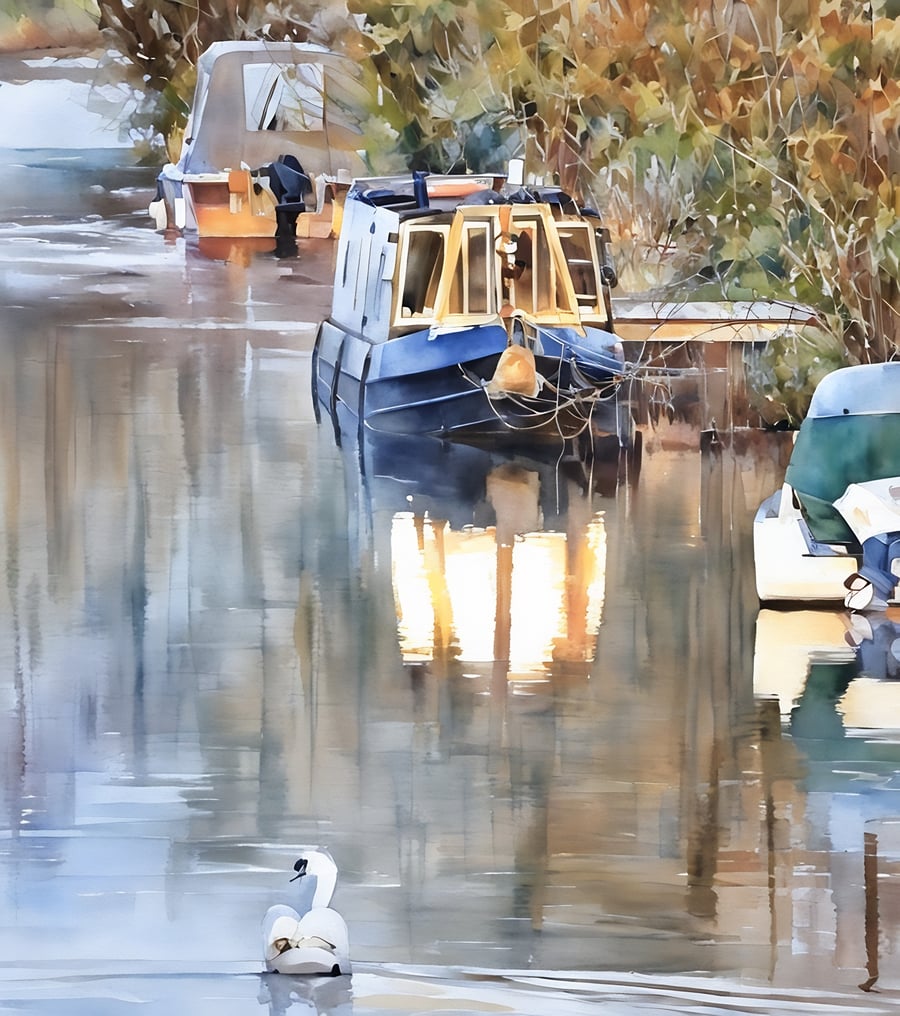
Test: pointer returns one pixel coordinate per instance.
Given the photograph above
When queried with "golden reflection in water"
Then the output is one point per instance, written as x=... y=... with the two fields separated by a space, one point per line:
x=791 y=644
x=785 y=641
x=508 y=592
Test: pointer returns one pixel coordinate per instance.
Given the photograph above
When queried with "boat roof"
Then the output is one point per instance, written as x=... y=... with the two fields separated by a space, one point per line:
x=865 y=389
x=251 y=49
x=419 y=193
x=256 y=101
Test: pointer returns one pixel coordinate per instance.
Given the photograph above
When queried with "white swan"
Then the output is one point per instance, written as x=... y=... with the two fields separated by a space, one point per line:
x=313 y=939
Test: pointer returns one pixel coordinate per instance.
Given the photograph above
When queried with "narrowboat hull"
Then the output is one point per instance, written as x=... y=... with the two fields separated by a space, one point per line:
x=423 y=383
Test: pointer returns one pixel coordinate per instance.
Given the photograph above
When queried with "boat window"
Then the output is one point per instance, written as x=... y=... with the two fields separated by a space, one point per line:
x=422 y=262
x=471 y=291
x=284 y=98
x=535 y=287
x=581 y=256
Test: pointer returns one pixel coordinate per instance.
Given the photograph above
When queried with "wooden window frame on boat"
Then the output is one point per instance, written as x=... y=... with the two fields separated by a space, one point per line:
x=555 y=301
x=595 y=310
x=475 y=230
x=407 y=318
x=466 y=222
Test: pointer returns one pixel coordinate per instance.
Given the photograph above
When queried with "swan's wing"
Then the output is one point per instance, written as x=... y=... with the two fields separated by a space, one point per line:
x=327 y=924
x=273 y=913
x=280 y=923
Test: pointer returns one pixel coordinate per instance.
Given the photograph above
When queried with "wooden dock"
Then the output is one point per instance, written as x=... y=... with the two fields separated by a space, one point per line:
x=693 y=357
x=749 y=321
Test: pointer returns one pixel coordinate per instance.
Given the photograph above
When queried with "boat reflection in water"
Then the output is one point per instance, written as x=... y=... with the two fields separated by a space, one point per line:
x=836 y=678
x=498 y=557
x=834 y=673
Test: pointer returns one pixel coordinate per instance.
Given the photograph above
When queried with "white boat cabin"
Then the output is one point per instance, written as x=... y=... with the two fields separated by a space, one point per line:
x=460 y=261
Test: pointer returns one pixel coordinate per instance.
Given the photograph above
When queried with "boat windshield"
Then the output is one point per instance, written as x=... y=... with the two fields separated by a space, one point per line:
x=505 y=258
x=831 y=453
x=490 y=261
x=471 y=290
x=536 y=283
x=851 y=434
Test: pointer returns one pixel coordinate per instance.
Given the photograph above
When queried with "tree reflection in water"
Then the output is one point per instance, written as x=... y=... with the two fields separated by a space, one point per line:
x=204 y=666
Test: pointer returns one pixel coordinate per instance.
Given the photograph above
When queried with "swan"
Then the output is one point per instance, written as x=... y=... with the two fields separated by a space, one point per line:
x=314 y=938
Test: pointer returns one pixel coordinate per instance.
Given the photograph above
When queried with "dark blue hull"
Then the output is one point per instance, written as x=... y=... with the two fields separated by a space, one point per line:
x=436 y=385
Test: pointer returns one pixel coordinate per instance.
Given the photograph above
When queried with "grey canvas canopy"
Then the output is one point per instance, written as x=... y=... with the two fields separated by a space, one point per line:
x=257 y=101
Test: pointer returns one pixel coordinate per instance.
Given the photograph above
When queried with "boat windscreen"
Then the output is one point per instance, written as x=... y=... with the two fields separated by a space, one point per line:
x=471 y=288
x=538 y=282
x=831 y=453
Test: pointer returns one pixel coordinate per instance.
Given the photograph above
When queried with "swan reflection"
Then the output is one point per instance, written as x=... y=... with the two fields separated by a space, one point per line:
x=305 y=995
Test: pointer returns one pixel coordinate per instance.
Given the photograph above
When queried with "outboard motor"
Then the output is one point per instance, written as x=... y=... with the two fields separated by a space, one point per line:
x=290 y=185
x=873 y=585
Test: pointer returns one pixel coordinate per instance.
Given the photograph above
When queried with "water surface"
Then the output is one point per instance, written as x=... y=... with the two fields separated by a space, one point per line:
x=528 y=701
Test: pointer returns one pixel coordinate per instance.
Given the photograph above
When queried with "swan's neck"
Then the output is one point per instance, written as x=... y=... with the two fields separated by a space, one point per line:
x=325 y=883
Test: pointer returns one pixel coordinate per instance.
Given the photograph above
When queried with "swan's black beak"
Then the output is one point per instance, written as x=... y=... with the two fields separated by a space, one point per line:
x=300 y=868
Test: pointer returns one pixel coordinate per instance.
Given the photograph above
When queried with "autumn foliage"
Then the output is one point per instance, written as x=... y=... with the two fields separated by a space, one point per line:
x=750 y=147
x=738 y=148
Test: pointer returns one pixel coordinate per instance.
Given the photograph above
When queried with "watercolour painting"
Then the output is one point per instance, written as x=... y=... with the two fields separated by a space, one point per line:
x=297 y=716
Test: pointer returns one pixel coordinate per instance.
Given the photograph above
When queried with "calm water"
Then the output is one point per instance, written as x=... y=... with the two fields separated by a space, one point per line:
x=528 y=702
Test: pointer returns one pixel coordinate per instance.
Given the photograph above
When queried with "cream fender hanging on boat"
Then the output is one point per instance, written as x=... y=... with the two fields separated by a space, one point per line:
x=516 y=374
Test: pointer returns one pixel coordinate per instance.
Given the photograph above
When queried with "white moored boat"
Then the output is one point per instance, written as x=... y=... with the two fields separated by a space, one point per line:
x=268 y=147
x=832 y=532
